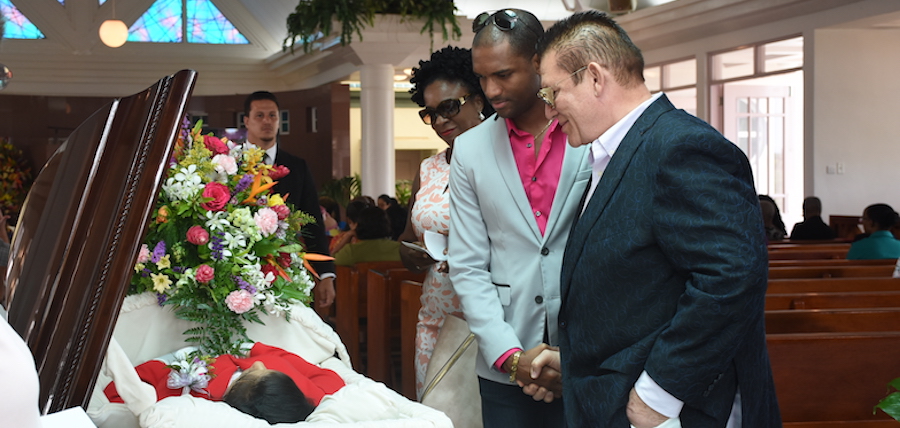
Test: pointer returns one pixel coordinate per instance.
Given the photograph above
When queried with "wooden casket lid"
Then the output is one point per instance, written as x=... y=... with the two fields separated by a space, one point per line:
x=80 y=231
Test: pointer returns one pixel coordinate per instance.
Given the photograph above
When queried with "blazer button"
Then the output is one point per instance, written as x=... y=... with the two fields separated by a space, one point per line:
x=545 y=251
x=562 y=324
x=538 y=299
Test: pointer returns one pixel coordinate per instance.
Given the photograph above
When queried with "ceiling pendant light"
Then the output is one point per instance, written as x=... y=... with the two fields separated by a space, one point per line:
x=113 y=32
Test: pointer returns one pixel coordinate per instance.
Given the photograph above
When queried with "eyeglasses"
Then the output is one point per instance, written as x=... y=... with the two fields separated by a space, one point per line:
x=446 y=109
x=505 y=20
x=549 y=95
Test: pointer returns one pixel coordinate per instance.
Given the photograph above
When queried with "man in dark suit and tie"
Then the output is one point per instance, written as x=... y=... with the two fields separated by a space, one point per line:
x=262 y=119
x=665 y=270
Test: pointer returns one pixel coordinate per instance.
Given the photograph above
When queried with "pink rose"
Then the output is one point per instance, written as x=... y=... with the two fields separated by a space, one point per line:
x=282 y=210
x=215 y=145
x=205 y=273
x=219 y=194
x=278 y=172
x=239 y=301
x=144 y=254
x=197 y=235
x=266 y=220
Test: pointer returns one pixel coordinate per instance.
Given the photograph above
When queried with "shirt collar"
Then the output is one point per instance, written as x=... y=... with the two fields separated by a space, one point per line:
x=271 y=152
x=607 y=143
x=515 y=131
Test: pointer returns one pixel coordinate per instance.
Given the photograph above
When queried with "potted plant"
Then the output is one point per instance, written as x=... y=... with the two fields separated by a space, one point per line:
x=314 y=18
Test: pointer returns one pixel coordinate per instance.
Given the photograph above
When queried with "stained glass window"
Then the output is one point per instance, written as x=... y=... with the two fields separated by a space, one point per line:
x=165 y=22
x=16 y=25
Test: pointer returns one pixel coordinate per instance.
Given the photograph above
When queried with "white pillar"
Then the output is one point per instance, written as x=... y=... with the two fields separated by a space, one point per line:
x=377 y=107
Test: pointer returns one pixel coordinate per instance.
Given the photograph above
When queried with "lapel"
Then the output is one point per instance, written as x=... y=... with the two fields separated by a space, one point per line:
x=574 y=161
x=608 y=184
x=506 y=164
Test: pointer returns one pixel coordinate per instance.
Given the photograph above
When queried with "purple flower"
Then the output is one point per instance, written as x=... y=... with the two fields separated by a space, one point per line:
x=161 y=299
x=243 y=184
x=158 y=252
x=145 y=272
x=244 y=285
x=216 y=246
x=178 y=269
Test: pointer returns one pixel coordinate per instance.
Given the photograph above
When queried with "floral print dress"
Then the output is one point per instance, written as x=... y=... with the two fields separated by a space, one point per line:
x=432 y=212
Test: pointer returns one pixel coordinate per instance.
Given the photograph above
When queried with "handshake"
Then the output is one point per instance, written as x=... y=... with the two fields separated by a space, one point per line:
x=538 y=372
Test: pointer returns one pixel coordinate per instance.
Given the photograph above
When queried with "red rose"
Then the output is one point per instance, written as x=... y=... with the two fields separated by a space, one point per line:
x=282 y=211
x=219 y=194
x=278 y=172
x=197 y=235
x=215 y=145
x=205 y=273
x=267 y=268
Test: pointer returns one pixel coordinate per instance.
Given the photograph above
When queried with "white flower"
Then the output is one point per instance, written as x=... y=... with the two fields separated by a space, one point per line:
x=216 y=220
x=185 y=184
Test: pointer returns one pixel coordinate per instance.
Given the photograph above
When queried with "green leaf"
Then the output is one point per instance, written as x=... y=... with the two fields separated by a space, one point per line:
x=890 y=405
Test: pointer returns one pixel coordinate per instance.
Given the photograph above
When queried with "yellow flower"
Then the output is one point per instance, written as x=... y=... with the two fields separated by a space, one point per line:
x=161 y=282
x=275 y=200
x=164 y=262
x=139 y=267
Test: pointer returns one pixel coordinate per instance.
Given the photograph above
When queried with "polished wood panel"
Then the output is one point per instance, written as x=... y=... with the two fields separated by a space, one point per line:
x=80 y=231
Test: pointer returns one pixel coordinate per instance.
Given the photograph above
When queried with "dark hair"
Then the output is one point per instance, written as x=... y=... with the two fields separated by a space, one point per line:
x=387 y=199
x=331 y=207
x=593 y=36
x=274 y=397
x=882 y=215
x=355 y=208
x=259 y=96
x=776 y=221
x=451 y=64
x=522 y=38
x=812 y=206
x=373 y=224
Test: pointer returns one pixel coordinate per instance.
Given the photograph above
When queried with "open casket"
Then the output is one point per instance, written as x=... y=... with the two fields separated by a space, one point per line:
x=71 y=261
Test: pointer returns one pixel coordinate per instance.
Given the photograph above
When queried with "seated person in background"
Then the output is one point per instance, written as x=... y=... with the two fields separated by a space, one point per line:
x=374 y=244
x=271 y=383
x=777 y=222
x=877 y=221
x=396 y=215
x=333 y=209
x=769 y=211
x=812 y=227
x=348 y=234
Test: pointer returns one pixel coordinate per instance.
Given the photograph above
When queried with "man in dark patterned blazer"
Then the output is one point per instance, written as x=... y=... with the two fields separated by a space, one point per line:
x=664 y=274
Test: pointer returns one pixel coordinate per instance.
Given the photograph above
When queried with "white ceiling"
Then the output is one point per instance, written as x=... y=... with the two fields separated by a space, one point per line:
x=73 y=61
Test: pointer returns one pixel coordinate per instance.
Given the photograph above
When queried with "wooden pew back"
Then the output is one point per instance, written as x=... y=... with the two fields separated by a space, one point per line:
x=350 y=306
x=849 y=271
x=383 y=322
x=815 y=300
x=831 y=285
x=832 y=320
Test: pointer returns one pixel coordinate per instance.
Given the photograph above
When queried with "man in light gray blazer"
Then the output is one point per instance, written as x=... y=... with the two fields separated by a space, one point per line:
x=515 y=186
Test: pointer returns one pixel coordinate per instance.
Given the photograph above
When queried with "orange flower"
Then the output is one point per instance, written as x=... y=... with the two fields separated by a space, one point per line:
x=162 y=214
x=257 y=188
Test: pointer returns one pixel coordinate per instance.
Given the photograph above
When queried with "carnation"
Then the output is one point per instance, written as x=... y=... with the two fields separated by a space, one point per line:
x=205 y=273
x=239 y=301
x=267 y=221
x=197 y=235
x=225 y=164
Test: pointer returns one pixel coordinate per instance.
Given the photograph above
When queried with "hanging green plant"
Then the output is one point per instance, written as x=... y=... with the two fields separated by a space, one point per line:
x=314 y=18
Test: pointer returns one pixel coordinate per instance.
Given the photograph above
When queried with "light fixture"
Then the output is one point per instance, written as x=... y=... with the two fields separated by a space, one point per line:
x=113 y=32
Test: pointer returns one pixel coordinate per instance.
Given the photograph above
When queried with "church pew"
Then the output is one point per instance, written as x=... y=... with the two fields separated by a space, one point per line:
x=793 y=251
x=831 y=285
x=350 y=306
x=849 y=271
x=833 y=380
x=832 y=320
x=410 y=303
x=830 y=262
x=816 y=300
x=383 y=310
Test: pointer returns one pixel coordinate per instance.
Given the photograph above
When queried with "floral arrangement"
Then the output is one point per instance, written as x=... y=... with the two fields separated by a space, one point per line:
x=222 y=247
x=189 y=372
x=15 y=178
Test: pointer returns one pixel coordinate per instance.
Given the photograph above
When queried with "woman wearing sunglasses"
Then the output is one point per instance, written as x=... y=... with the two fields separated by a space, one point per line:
x=453 y=103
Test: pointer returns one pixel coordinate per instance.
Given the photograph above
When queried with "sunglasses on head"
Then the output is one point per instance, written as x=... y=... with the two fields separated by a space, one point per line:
x=446 y=109
x=505 y=20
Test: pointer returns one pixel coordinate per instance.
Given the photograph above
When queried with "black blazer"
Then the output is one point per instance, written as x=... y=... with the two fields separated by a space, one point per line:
x=301 y=193
x=666 y=271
